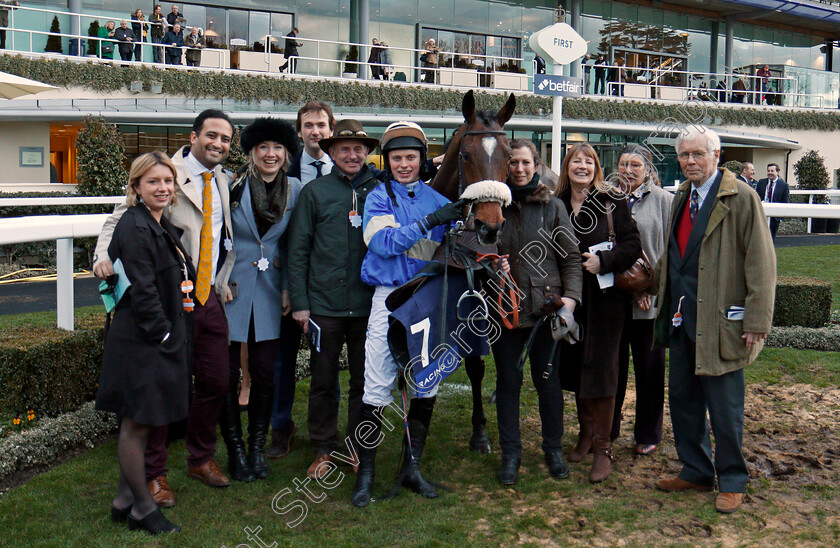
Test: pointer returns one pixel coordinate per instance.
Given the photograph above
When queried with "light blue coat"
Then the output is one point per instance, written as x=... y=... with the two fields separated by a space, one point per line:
x=258 y=290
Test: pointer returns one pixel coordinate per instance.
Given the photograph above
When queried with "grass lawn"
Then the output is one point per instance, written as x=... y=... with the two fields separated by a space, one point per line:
x=48 y=318
x=791 y=428
x=68 y=505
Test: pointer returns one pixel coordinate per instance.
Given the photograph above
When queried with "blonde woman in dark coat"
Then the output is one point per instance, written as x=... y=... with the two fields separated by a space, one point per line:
x=145 y=376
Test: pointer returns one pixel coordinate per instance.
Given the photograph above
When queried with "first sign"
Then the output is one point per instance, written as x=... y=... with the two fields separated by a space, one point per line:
x=560 y=43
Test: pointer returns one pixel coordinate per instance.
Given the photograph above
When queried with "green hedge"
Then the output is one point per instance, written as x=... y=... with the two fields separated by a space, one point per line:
x=49 y=370
x=801 y=301
x=231 y=85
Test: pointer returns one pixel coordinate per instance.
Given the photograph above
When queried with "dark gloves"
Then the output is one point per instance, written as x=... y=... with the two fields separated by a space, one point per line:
x=443 y=216
x=552 y=304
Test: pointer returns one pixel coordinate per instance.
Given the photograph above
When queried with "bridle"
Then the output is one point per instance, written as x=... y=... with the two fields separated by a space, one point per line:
x=461 y=185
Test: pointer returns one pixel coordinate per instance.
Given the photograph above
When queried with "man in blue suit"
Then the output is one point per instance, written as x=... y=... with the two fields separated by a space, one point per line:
x=773 y=189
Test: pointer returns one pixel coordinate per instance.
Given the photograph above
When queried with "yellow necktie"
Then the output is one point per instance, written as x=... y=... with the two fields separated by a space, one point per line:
x=205 y=250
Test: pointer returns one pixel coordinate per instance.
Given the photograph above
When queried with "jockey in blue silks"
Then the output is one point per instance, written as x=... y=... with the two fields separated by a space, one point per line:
x=405 y=220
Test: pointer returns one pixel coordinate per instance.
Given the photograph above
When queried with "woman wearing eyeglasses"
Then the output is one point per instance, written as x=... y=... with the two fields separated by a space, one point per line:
x=650 y=206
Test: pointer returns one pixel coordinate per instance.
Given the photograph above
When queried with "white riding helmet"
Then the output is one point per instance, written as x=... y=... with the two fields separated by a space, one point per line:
x=404 y=135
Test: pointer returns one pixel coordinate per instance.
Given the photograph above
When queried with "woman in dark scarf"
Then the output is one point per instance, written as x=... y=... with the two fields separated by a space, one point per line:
x=262 y=200
x=549 y=277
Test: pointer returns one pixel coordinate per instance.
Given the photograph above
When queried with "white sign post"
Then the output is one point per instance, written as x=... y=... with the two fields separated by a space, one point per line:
x=563 y=45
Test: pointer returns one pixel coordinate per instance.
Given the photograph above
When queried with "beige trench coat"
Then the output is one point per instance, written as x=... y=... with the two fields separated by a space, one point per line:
x=737 y=267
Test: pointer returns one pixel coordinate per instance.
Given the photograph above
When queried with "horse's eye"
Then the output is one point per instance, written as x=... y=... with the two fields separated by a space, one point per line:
x=465 y=156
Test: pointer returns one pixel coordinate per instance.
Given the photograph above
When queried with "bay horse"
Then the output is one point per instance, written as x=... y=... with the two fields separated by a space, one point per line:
x=475 y=163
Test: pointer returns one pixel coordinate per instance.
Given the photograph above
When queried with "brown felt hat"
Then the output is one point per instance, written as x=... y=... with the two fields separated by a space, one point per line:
x=348 y=129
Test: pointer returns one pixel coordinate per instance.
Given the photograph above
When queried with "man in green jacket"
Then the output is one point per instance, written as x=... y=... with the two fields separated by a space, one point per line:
x=717 y=280
x=326 y=250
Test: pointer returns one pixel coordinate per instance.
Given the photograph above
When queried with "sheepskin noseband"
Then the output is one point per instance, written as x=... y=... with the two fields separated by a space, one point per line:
x=488 y=191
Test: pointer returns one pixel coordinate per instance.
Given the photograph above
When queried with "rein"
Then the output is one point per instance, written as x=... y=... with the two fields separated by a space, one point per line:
x=471 y=261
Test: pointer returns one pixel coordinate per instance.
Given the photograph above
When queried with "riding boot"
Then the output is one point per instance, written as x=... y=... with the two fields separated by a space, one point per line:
x=231 y=426
x=479 y=441
x=259 y=419
x=584 y=443
x=509 y=471
x=369 y=414
x=602 y=417
x=419 y=418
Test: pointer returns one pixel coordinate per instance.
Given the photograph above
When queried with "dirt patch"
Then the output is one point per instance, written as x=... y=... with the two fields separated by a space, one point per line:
x=792 y=447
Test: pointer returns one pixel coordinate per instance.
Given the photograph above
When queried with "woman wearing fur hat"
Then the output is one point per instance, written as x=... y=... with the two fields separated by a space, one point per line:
x=534 y=218
x=262 y=200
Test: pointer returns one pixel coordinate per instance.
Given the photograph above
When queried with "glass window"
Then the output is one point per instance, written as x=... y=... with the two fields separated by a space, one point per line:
x=435 y=12
x=238 y=24
x=150 y=139
x=446 y=42
x=593 y=29
x=258 y=27
x=477 y=47
x=281 y=24
x=505 y=18
x=471 y=14
x=195 y=15
x=494 y=52
x=462 y=45
x=216 y=30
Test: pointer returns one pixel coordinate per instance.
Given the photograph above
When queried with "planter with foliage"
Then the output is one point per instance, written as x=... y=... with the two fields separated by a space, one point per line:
x=811 y=174
x=93 y=32
x=733 y=165
x=351 y=66
x=100 y=153
x=54 y=40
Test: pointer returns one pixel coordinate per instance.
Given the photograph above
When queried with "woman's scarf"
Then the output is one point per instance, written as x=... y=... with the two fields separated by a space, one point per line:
x=519 y=193
x=269 y=208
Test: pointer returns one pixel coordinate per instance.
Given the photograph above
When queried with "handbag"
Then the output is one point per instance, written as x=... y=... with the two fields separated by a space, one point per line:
x=424 y=58
x=639 y=276
x=107 y=47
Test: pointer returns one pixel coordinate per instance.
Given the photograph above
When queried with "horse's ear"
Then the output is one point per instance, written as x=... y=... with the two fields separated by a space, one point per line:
x=506 y=112
x=468 y=106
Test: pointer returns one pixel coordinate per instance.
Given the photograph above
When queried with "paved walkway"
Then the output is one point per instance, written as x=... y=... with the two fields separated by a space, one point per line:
x=21 y=297
x=807 y=239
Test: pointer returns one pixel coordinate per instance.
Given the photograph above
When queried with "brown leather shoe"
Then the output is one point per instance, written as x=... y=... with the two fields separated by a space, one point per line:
x=727 y=503
x=281 y=441
x=677 y=484
x=314 y=472
x=161 y=492
x=210 y=474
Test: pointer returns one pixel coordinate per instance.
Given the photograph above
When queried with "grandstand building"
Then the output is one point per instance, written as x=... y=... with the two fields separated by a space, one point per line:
x=674 y=52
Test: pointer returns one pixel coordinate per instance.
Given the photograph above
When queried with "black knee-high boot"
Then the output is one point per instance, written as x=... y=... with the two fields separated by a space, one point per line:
x=230 y=424
x=259 y=419
x=367 y=456
x=419 y=418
